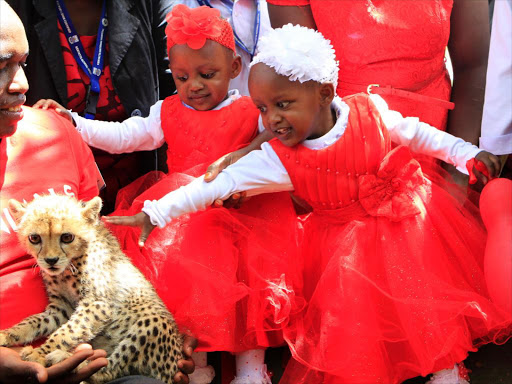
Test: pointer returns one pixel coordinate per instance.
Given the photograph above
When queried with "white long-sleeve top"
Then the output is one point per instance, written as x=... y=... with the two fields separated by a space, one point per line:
x=497 y=115
x=135 y=133
x=246 y=174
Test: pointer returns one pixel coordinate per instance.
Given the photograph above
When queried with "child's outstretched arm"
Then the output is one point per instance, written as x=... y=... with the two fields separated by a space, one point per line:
x=133 y=134
x=425 y=139
x=245 y=175
x=217 y=166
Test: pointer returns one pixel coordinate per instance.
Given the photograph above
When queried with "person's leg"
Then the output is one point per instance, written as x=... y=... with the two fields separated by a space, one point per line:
x=203 y=373
x=251 y=368
x=456 y=375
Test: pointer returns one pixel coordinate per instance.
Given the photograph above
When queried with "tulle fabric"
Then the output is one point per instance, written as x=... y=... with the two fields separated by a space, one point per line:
x=227 y=275
x=390 y=300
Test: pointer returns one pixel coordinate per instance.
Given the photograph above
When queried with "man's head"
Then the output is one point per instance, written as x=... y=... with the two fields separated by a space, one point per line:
x=13 y=83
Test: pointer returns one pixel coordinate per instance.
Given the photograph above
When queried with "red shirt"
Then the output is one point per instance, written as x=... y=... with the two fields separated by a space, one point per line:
x=44 y=156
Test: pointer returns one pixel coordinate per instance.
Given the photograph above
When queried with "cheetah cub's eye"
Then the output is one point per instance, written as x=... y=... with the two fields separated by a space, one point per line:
x=34 y=239
x=67 y=238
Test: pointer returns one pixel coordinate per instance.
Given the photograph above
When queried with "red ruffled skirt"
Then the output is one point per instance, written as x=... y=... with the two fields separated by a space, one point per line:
x=391 y=298
x=228 y=275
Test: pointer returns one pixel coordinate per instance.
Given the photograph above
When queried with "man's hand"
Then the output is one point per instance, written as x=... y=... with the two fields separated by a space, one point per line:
x=186 y=365
x=140 y=220
x=236 y=199
x=14 y=370
x=52 y=104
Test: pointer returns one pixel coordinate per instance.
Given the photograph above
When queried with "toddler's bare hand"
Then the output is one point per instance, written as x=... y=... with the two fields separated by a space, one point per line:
x=236 y=199
x=52 y=104
x=492 y=163
x=482 y=169
x=140 y=220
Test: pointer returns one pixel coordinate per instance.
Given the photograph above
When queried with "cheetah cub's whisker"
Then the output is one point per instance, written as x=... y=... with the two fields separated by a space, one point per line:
x=95 y=294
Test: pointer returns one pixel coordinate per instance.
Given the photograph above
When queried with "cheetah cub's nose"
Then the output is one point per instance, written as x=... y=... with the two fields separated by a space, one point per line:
x=51 y=261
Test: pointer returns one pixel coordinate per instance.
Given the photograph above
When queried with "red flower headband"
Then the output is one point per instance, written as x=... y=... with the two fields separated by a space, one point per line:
x=194 y=26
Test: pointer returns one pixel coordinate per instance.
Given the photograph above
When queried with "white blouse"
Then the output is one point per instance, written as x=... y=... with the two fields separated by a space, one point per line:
x=246 y=174
x=133 y=134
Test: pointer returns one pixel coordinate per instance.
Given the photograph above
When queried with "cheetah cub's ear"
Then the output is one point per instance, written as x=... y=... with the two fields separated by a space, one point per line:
x=91 y=211
x=17 y=209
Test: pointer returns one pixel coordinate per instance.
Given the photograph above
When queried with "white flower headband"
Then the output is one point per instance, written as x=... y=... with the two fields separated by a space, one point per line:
x=298 y=53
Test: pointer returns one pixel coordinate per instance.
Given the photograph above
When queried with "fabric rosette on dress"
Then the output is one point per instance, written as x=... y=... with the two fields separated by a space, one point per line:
x=397 y=190
x=394 y=283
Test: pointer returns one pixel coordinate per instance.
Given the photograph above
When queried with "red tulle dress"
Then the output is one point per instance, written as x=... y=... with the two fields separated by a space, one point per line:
x=393 y=264
x=223 y=273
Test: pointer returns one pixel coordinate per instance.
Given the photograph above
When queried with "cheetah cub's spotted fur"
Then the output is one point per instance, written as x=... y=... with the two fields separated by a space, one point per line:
x=95 y=294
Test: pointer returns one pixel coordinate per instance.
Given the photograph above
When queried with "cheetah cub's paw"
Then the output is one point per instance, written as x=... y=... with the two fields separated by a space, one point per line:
x=56 y=357
x=7 y=339
x=3 y=339
x=33 y=354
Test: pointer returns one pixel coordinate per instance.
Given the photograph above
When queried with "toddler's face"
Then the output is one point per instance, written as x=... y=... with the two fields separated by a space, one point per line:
x=202 y=75
x=291 y=110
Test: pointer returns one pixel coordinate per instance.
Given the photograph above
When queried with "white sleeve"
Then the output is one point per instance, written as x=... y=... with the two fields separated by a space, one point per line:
x=497 y=115
x=134 y=134
x=425 y=139
x=258 y=172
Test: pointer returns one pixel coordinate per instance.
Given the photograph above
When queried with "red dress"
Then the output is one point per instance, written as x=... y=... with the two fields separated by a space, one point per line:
x=220 y=272
x=393 y=264
x=389 y=42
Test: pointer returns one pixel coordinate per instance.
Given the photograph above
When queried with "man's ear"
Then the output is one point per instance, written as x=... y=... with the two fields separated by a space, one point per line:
x=326 y=93
x=236 y=66
x=17 y=209
x=92 y=210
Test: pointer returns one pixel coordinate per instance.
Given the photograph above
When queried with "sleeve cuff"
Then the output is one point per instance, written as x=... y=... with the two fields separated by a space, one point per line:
x=498 y=145
x=470 y=155
x=156 y=216
x=76 y=118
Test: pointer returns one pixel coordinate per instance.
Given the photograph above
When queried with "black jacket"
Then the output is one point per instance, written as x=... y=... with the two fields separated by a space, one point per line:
x=137 y=52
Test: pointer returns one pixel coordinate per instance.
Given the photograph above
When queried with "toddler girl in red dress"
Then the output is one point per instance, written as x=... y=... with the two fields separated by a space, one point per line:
x=392 y=262
x=222 y=272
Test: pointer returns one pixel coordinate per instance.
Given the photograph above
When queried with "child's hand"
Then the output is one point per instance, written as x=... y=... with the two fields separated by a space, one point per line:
x=236 y=199
x=52 y=104
x=484 y=168
x=140 y=220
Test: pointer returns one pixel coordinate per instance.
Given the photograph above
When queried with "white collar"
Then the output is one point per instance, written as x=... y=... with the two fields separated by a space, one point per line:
x=233 y=95
x=341 y=109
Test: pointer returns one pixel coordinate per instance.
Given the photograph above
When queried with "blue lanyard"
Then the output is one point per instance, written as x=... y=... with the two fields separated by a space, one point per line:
x=256 y=29
x=77 y=49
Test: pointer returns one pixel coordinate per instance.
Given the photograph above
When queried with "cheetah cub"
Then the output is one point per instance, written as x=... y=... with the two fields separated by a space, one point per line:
x=95 y=294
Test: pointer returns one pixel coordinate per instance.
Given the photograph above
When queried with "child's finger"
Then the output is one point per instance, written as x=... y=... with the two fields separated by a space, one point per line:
x=215 y=168
x=39 y=103
x=480 y=176
x=497 y=166
x=146 y=231
x=121 y=220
